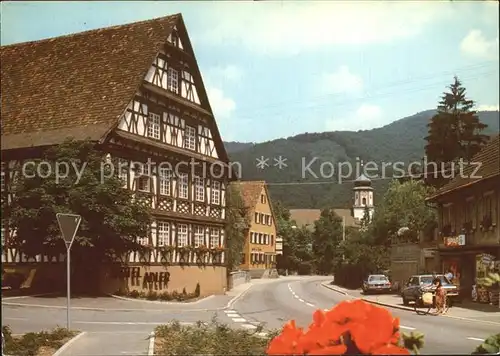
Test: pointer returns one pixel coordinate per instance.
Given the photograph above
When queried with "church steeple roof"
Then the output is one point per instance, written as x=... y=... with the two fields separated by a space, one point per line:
x=362 y=181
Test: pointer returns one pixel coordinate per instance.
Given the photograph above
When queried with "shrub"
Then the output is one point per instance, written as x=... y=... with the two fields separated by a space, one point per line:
x=208 y=339
x=490 y=346
x=30 y=343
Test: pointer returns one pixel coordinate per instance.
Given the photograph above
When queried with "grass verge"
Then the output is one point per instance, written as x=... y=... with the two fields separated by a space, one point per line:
x=211 y=338
x=44 y=343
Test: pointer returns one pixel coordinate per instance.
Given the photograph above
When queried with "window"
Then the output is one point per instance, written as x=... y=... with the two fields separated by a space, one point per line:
x=182 y=235
x=413 y=281
x=263 y=199
x=260 y=238
x=173 y=80
x=252 y=237
x=190 y=138
x=256 y=218
x=183 y=184
x=165 y=178
x=487 y=205
x=215 y=192
x=199 y=189
x=446 y=214
x=163 y=234
x=143 y=240
x=470 y=213
x=261 y=218
x=266 y=239
x=363 y=202
x=142 y=172
x=123 y=171
x=214 y=237
x=154 y=126
x=199 y=236
x=2 y=178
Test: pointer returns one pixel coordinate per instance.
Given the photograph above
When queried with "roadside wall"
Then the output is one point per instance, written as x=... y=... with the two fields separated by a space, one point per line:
x=160 y=278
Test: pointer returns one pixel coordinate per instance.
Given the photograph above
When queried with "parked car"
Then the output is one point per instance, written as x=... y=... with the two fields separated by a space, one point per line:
x=376 y=283
x=412 y=291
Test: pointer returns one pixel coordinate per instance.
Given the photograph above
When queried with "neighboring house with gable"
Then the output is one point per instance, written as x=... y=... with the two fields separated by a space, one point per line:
x=259 y=253
x=136 y=91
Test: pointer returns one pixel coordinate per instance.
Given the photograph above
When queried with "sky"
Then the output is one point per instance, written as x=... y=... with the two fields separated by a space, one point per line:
x=275 y=69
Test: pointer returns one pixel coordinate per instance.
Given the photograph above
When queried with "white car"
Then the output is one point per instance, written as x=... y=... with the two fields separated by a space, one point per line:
x=376 y=283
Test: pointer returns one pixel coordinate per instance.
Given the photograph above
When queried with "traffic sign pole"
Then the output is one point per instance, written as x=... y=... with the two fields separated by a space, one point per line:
x=68 y=224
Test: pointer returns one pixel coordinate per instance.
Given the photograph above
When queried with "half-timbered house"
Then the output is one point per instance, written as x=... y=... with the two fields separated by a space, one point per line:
x=137 y=92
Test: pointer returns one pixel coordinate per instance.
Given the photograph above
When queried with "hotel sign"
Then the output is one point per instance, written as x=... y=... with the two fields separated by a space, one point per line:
x=454 y=241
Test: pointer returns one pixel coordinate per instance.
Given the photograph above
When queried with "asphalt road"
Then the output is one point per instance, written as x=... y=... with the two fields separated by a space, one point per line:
x=118 y=327
x=112 y=327
x=274 y=304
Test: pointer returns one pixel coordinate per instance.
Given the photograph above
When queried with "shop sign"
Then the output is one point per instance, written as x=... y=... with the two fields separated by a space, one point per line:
x=429 y=252
x=453 y=241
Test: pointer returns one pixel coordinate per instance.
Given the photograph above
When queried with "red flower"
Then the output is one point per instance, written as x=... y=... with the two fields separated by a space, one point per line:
x=369 y=328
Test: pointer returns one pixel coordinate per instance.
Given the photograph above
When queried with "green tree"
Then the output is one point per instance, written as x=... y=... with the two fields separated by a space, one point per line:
x=74 y=178
x=366 y=219
x=237 y=226
x=326 y=239
x=455 y=133
x=285 y=230
x=302 y=257
x=360 y=249
x=403 y=206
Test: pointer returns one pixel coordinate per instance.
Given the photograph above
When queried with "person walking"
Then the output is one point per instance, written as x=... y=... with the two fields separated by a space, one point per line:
x=440 y=295
x=449 y=275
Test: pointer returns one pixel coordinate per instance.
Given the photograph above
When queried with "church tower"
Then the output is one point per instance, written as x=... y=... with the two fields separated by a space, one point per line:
x=363 y=197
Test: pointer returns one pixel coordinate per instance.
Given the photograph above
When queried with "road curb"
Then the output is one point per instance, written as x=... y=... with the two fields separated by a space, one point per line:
x=151 y=345
x=138 y=300
x=27 y=296
x=23 y=305
x=63 y=348
x=336 y=289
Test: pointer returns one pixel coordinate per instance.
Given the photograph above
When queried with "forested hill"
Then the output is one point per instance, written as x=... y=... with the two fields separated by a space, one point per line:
x=400 y=141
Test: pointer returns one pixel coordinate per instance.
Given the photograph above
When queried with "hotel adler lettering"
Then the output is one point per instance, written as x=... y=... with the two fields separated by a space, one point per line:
x=137 y=92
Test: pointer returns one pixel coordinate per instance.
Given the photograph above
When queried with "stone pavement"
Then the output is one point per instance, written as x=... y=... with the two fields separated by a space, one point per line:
x=466 y=310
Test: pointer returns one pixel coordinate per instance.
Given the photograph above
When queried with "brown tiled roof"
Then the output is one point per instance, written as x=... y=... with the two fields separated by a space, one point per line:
x=489 y=157
x=250 y=192
x=307 y=217
x=77 y=85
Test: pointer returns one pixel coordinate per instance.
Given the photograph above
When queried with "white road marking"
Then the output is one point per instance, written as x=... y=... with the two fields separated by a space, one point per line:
x=151 y=346
x=128 y=323
x=302 y=300
x=311 y=305
x=230 y=311
x=249 y=326
x=235 y=315
x=406 y=327
x=475 y=339
x=16 y=318
x=239 y=320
